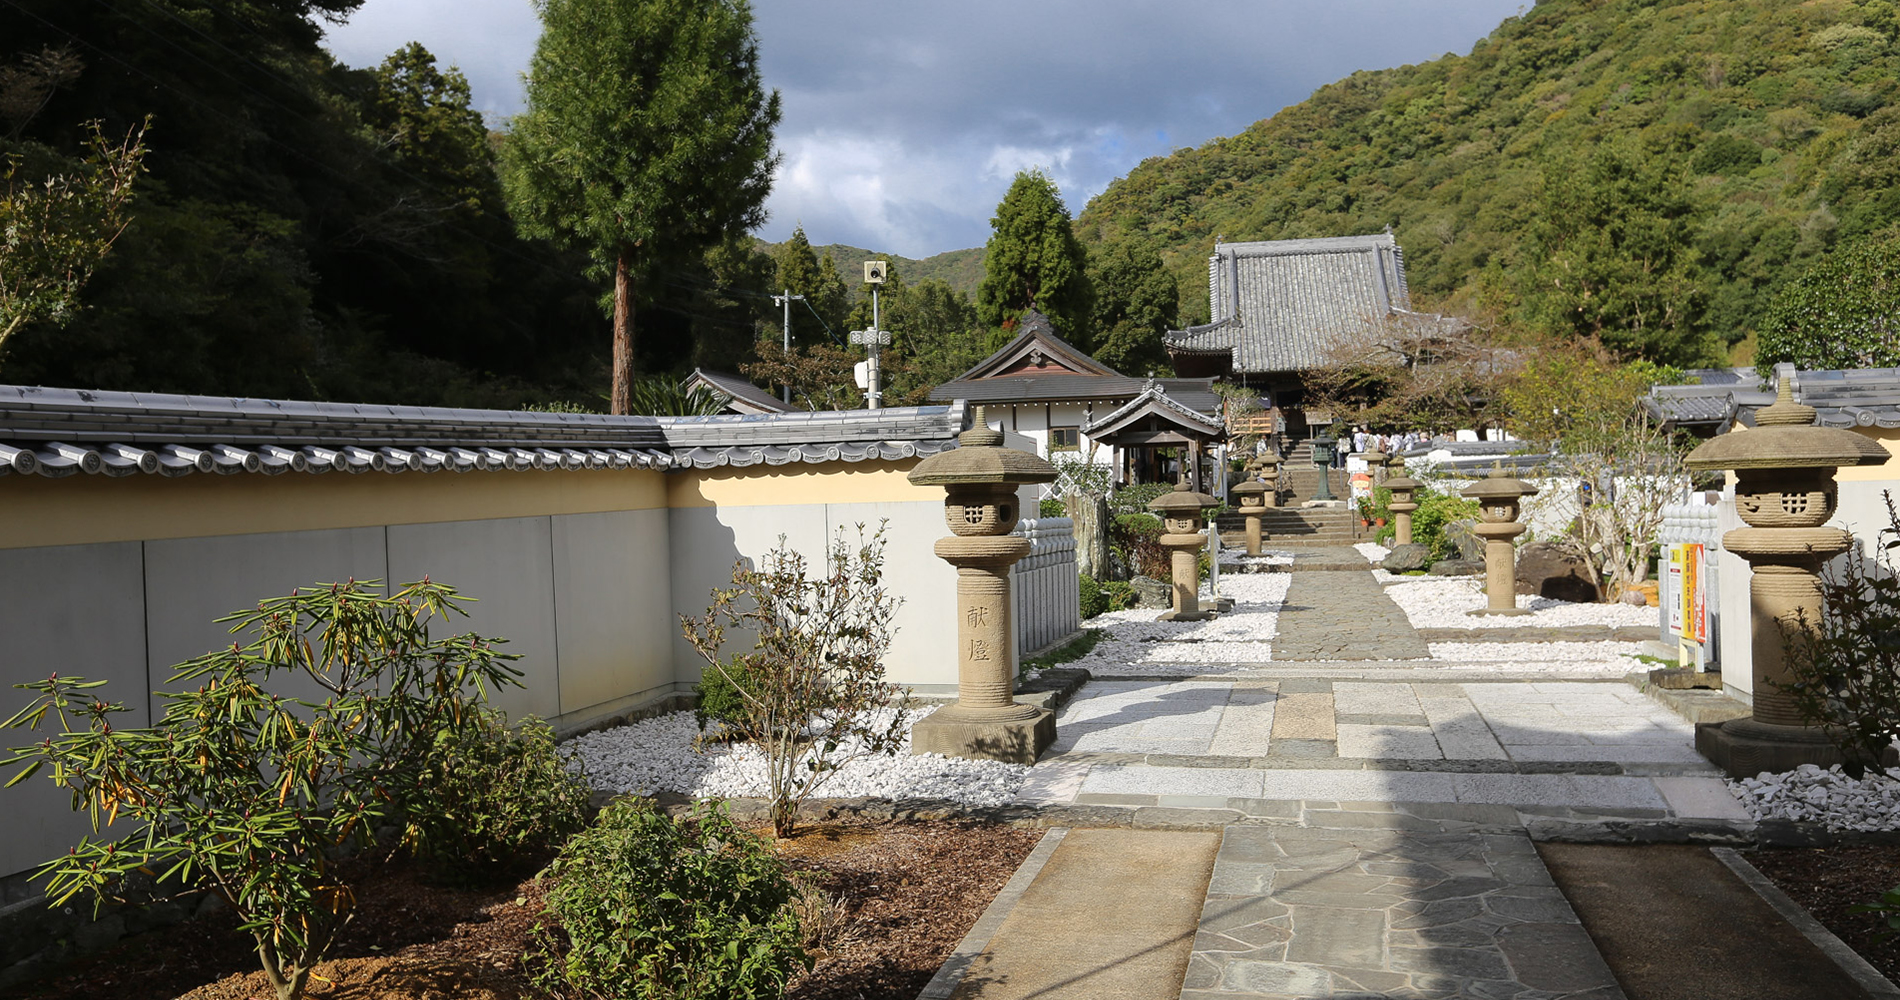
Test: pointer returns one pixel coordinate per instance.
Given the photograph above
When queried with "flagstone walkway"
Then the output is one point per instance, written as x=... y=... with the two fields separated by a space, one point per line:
x=1376 y=805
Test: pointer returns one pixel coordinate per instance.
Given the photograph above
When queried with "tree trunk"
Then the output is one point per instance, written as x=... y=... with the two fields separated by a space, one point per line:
x=623 y=337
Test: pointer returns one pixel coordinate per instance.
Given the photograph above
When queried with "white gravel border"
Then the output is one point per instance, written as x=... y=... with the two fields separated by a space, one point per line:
x=1811 y=794
x=1135 y=644
x=1442 y=602
x=657 y=755
x=1373 y=551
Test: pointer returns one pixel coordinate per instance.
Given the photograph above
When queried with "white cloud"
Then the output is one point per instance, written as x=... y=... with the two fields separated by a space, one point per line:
x=905 y=122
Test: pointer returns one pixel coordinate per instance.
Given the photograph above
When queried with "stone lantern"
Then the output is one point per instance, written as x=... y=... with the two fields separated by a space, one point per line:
x=1323 y=445
x=1181 y=522
x=1498 y=497
x=1270 y=474
x=1252 y=495
x=1403 y=489
x=1375 y=461
x=981 y=478
x=1785 y=492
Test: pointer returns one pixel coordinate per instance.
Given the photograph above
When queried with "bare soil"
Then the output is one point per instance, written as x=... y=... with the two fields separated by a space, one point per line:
x=902 y=896
x=1828 y=881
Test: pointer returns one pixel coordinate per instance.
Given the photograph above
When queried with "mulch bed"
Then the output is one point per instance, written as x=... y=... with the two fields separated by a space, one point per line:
x=904 y=894
x=1827 y=881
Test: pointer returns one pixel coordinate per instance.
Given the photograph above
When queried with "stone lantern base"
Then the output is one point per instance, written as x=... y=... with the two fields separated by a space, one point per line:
x=1745 y=748
x=1500 y=612
x=1187 y=616
x=1016 y=736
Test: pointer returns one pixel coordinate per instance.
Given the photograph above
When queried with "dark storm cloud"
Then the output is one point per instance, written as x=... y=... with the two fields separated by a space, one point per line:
x=904 y=122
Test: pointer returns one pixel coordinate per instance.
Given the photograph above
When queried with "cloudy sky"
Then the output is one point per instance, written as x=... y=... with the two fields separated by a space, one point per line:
x=905 y=121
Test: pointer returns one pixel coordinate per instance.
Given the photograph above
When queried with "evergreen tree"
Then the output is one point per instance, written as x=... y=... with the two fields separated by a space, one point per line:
x=1032 y=261
x=1842 y=312
x=647 y=138
x=1136 y=301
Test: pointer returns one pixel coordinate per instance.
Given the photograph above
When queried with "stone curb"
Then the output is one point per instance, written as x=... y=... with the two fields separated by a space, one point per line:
x=950 y=975
x=1856 y=967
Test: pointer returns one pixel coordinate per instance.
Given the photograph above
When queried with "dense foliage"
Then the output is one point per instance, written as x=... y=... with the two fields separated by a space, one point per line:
x=656 y=908
x=1033 y=261
x=1648 y=171
x=500 y=799
x=1842 y=312
x=250 y=793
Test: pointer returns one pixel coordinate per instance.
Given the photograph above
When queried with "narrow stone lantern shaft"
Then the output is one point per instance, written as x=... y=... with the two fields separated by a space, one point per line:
x=980 y=479
x=1180 y=513
x=1403 y=489
x=1785 y=492
x=1252 y=495
x=1270 y=474
x=1498 y=496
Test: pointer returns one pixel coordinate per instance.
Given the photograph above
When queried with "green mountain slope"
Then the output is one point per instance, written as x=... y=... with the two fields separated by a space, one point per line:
x=1644 y=170
x=960 y=269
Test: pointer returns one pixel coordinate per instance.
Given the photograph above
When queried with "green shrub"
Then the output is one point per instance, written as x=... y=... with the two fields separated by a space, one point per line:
x=500 y=798
x=1120 y=594
x=1093 y=601
x=656 y=908
x=1136 y=538
x=248 y=792
x=719 y=698
x=1134 y=499
x=1435 y=511
x=1051 y=507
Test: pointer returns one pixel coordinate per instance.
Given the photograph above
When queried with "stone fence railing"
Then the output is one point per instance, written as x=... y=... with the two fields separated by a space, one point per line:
x=1047 y=595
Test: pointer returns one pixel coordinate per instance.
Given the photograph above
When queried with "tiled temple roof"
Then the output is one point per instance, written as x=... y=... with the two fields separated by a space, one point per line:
x=1853 y=397
x=1281 y=305
x=60 y=432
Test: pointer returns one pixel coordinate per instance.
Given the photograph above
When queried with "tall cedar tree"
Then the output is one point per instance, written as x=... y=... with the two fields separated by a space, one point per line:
x=1033 y=261
x=1136 y=301
x=647 y=138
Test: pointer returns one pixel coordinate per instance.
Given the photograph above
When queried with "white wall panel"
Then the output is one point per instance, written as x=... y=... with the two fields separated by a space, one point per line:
x=507 y=564
x=613 y=606
x=71 y=610
x=706 y=541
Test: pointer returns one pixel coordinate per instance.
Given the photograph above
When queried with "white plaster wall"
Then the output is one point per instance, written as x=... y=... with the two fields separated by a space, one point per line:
x=507 y=565
x=71 y=610
x=612 y=610
x=707 y=541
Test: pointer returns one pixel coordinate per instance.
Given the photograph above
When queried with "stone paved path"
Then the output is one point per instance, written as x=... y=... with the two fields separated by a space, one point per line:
x=1340 y=615
x=1377 y=807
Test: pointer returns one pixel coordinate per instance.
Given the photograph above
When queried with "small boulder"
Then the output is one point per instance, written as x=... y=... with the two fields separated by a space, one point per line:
x=1546 y=570
x=1469 y=545
x=1457 y=567
x=1152 y=593
x=1406 y=558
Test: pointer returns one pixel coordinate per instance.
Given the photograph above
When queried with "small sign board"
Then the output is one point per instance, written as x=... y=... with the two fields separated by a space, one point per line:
x=1685 y=592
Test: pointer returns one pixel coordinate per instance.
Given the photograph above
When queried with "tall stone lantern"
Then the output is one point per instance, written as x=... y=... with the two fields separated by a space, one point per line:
x=1499 y=497
x=1785 y=492
x=981 y=478
x=1403 y=489
x=1270 y=474
x=1252 y=495
x=1181 y=534
x=1375 y=461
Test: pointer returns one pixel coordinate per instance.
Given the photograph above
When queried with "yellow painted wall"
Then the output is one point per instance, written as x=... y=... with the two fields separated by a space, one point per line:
x=1889 y=439
x=779 y=485
x=76 y=510
x=81 y=509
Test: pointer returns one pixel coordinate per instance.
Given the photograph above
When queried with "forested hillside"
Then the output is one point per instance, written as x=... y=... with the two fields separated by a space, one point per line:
x=1645 y=170
x=311 y=230
x=960 y=269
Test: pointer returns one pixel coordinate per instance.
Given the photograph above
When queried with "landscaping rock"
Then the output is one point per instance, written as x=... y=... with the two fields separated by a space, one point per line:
x=1405 y=558
x=1467 y=542
x=1457 y=567
x=1152 y=593
x=1546 y=570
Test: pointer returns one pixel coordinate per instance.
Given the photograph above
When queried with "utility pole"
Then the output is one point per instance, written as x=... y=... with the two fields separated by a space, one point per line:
x=874 y=338
x=786 y=300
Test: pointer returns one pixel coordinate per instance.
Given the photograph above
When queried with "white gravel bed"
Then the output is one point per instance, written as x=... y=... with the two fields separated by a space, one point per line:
x=1809 y=793
x=1373 y=551
x=1442 y=602
x=1136 y=644
x=657 y=755
x=1532 y=653
x=1276 y=557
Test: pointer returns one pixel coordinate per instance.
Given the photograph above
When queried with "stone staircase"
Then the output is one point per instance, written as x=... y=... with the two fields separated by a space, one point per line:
x=1290 y=526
